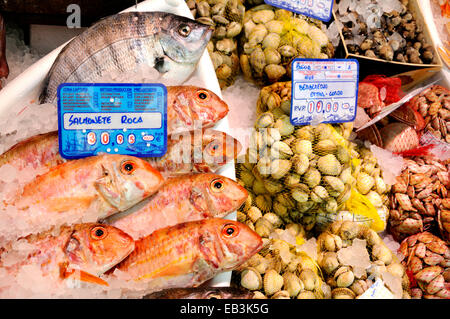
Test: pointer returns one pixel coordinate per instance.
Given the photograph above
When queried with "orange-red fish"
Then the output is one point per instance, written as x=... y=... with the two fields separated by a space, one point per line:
x=182 y=199
x=40 y=152
x=83 y=252
x=198 y=151
x=188 y=254
x=190 y=107
x=105 y=184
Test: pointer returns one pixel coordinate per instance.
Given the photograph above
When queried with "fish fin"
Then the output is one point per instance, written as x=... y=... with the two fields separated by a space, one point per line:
x=176 y=268
x=198 y=200
x=81 y=275
x=108 y=189
x=183 y=110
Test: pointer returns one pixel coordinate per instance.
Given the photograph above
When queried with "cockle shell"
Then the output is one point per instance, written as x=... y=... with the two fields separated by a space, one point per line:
x=251 y=279
x=273 y=282
x=312 y=177
x=364 y=183
x=329 y=165
x=342 y=293
x=303 y=147
x=300 y=163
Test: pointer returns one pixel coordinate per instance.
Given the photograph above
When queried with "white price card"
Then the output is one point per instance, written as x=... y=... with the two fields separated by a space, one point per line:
x=324 y=91
x=318 y=9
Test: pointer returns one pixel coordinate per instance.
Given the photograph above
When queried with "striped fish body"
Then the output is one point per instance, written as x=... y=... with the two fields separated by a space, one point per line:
x=40 y=151
x=171 y=44
x=181 y=199
x=188 y=254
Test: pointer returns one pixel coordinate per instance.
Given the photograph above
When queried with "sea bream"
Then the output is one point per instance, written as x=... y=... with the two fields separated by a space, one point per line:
x=169 y=43
x=181 y=199
x=187 y=254
x=96 y=186
x=82 y=252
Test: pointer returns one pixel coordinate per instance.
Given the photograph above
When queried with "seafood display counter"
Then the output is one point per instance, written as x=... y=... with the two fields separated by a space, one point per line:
x=242 y=203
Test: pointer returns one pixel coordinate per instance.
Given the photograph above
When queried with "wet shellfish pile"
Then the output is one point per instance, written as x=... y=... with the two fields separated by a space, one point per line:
x=427 y=258
x=273 y=37
x=420 y=199
x=226 y=17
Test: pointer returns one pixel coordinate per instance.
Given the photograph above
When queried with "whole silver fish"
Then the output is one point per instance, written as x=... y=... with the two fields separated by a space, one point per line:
x=171 y=44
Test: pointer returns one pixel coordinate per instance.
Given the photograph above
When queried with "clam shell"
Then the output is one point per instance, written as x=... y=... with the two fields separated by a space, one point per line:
x=251 y=279
x=329 y=165
x=273 y=282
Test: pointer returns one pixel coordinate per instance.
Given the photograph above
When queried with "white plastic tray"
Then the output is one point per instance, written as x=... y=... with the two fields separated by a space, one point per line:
x=425 y=7
x=28 y=85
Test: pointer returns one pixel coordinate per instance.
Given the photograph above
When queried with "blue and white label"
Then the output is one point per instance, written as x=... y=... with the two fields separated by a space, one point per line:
x=96 y=118
x=317 y=9
x=324 y=91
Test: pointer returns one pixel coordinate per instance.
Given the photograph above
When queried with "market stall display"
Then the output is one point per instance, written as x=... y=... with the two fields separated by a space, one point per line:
x=325 y=210
x=273 y=37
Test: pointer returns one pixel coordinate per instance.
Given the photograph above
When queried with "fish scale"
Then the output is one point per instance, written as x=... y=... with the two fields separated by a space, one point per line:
x=188 y=254
x=181 y=199
x=75 y=247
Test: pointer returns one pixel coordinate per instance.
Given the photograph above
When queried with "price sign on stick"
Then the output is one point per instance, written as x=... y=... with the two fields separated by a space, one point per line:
x=95 y=118
x=324 y=91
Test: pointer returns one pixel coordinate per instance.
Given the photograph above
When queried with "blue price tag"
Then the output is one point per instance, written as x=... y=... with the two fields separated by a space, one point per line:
x=95 y=118
x=324 y=91
x=318 y=9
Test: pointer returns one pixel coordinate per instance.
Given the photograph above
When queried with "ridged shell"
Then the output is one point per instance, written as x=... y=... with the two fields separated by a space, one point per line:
x=300 y=163
x=364 y=183
x=283 y=124
x=303 y=147
x=251 y=279
x=329 y=165
x=292 y=284
x=280 y=168
x=273 y=282
x=312 y=177
x=325 y=146
x=342 y=293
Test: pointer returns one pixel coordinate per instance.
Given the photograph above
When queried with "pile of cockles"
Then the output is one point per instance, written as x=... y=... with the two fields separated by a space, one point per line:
x=385 y=30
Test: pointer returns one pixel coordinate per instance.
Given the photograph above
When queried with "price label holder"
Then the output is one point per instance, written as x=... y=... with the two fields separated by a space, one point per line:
x=324 y=91
x=112 y=118
x=318 y=9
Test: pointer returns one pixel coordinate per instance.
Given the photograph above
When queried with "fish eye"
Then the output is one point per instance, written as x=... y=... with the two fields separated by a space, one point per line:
x=128 y=167
x=98 y=232
x=184 y=30
x=230 y=230
x=202 y=95
x=214 y=148
x=217 y=185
